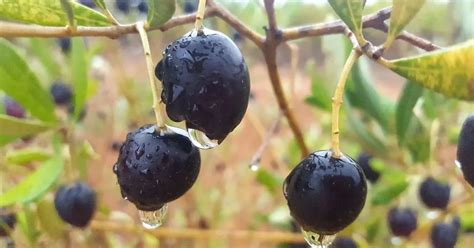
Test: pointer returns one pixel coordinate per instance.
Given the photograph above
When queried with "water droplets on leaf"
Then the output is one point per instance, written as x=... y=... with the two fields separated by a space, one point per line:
x=153 y=219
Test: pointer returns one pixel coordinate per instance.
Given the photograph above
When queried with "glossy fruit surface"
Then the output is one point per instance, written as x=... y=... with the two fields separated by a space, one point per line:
x=7 y=223
x=444 y=235
x=343 y=242
x=364 y=162
x=12 y=108
x=61 y=93
x=75 y=203
x=434 y=194
x=402 y=221
x=465 y=152
x=325 y=194
x=205 y=83
x=153 y=169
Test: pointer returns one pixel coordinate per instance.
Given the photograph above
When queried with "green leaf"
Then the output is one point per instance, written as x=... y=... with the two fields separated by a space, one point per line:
x=393 y=183
x=11 y=126
x=100 y=4
x=49 y=13
x=271 y=182
x=27 y=155
x=49 y=219
x=403 y=12
x=361 y=93
x=36 y=184
x=67 y=7
x=42 y=50
x=79 y=74
x=6 y=139
x=20 y=83
x=27 y=223
x=361 y=131
x=160 y=11
x=350 y=11
x=373 y=229
x=320 y=95
x=448 y=71
x=404 y=113
x=419 y=142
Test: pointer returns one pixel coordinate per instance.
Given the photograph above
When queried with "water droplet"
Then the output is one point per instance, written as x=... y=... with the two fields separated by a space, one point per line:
x=458 y=164
x=200 y=140
x=318 y=240
x=115 y=169
x=433 y=214
x=153 y=219
x=149 y=156
x=140 y=151
x=254 y=166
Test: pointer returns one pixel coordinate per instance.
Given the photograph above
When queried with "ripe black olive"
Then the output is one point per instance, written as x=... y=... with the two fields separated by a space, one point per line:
x=465 y=148
x=325 y=194
x=402 y=221
x=205 y=83
x=434 y=194
x=75 y=204
x=154 y=168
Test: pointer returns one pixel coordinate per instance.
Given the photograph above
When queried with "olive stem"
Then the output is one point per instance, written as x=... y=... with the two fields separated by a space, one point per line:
x=198 y=26
x=155 y=87
x=337 y=100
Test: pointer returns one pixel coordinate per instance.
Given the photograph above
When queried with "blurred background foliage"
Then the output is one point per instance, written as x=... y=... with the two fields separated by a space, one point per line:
x=410 y=131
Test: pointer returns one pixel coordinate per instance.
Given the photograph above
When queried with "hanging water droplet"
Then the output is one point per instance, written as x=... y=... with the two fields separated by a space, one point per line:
x=153 y=219
x=200 y=140
x=254 y=166
x=318 y=240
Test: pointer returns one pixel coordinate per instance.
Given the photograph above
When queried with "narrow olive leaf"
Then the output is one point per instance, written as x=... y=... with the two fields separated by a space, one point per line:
x=448 y=71
x=361 y=131
x=100 y=4
x=384 y=194
x=20 y=83
x=404 y=113
x=36 y=184
x=11 y=126
x=6 y=139
x=27 y=155
x=67 y=7
x=271 y=182
x=49 y=220
x=79 y=73
x=403 y=12
x=320 y=95
x=350 y=11
x=42 y=51
x=49 y=13
x=362 y=94
x=160 y=11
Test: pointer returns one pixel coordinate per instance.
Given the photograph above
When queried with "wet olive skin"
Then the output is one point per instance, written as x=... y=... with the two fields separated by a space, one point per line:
x=465 y=147
x=205 y=83
x=325 y=194
x=154 y=169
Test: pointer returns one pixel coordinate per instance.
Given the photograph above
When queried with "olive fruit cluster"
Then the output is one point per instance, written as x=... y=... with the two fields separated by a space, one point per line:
x=205 y=83
x=434 y=194
x=402 y=221
x=465 y=148
x=325 y=194
x=7 y=222
x=154 y=168
x=75 y=204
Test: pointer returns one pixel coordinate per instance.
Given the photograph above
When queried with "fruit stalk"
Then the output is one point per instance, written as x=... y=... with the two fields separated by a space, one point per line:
x=198 y=26
x=155 y=87
x=337 y=101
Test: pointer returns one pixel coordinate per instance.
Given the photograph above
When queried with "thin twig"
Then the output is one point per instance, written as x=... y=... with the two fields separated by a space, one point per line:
x=337 y=100
x=270 y=8
x=200 y=16
x=201 y=234
x=234 y=22
x=375 y=21
x=156 y=88
x=257 y=157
